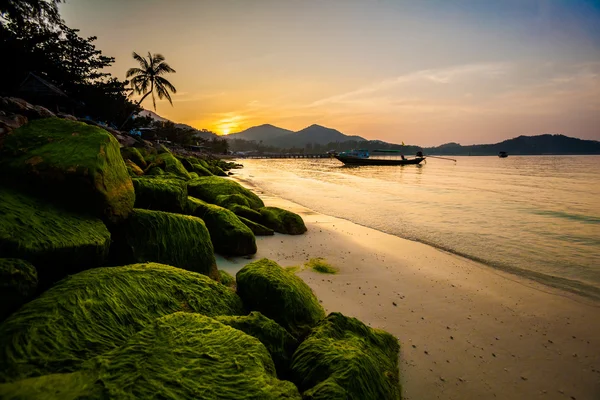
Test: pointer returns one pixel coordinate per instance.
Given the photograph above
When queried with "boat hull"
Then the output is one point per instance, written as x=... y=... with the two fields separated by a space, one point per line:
x=378 y=161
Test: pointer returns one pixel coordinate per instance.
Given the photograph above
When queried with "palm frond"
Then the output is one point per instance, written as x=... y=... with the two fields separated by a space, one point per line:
x=163 y=93
x=134 y=71
x=162 y=82
x=141 y=60
x=163 y=68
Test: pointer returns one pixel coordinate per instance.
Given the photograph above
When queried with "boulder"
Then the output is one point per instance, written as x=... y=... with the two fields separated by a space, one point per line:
x=226 y=279
x=160 y=194
x=230 y=237
x=170 y=164
x=227 y=200
x=257 y=229
x=194 y=165
x=342 y=358
x=98 y=310
x=246 y=212
x=133 y=170
x=75 y=164
x=154 y=171
x=19 y=106
x=70 y=386
x=18 y=283
x=67 y=116
x=133 y=154
x=282 y=221
x=56 y=241
x=173 y=239
x=208 y=188
x=266 y=287
x=278 y=341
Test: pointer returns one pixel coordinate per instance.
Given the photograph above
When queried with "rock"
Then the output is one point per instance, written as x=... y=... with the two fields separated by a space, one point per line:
x=160 y=194
x=98 y=310
x=173 y=239
x=282 y=221
x=155 y=171
x=170 y=164
x=230 y=237
x=133 y=154
x=56 y=241
x=12 y=121
x=15 y=105
x=77 y=385
x=342 y=358
x=194 y=165
x=246 y=212
x=226 y=279
x=266 y=287
x=278 y=341
x=133 y=170
x=18 y=283
x=257 y=229
x=76 y=165
x=194 y=175
x=66 y=116
x=208 y=188
x=226 y=200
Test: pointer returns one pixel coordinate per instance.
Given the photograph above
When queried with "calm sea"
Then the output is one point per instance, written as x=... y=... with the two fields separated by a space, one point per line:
x=537 y=216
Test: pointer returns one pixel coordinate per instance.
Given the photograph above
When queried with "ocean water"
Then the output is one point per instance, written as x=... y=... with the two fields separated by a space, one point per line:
x=537 y=216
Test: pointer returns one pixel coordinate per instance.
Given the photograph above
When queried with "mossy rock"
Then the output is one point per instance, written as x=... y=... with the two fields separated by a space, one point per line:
x=226 y=278
x=342 y=358
x=173 y=239
x=18 y=284
x=230 y=237
x=73 y=386
x=208 y=188
x=266 y=287
x=194 y=165
x=133 y=170
x=170 y=164
x=277 y=340
x=257 y=229
x=194 y=175
x=133 y=154
x=95 y=311
x=246 y=212
x=282 y=221
x=160 y=194
x=226 y=200
x=153 y=170
x=56 y=241
x=75 y=164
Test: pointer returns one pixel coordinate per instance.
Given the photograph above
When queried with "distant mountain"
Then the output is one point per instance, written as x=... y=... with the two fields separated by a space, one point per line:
x=266 y=133
x=153 y=115
x=204 y=134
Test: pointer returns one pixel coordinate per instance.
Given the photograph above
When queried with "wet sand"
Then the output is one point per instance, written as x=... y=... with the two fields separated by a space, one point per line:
x=467 y=331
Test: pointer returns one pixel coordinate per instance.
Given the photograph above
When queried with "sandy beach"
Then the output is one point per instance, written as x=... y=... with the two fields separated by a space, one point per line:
x=467 y=331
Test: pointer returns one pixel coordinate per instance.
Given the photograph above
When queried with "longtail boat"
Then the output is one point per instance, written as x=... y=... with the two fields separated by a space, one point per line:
x=379 y=157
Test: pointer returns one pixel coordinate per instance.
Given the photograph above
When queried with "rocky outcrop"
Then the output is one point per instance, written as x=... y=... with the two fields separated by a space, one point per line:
x=257 y=229
x=282 y=221
x=208 y=188
x=160 y=194
x=18 y=284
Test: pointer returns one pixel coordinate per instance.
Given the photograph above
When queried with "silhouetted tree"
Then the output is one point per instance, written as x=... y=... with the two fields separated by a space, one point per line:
x=147 y=80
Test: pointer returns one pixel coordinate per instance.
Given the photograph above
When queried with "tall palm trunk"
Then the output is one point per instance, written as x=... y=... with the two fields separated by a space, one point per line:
x=138 y=103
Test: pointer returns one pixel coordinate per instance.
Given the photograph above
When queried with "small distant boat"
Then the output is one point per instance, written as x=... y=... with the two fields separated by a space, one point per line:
x=380 y=157
x=503 y=154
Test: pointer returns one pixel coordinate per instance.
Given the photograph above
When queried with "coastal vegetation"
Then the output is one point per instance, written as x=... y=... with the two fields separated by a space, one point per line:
x=321 y=265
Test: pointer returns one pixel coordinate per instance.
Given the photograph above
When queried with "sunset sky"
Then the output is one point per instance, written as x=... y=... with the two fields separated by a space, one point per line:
x=422 y=72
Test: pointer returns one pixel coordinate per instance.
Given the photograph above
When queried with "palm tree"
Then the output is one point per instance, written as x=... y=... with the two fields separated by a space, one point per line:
x=149 y=76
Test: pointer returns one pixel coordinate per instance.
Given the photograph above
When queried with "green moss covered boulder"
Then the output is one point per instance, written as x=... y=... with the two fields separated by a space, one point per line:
x=75 y=164
x=266 y=287
x=230 y=237
x=226 y=278
x=282 y=221
x=133 y=170
x=134 y=155
x=194 y=165
x=18 y=284
x=173 y=239
x=56 y=241
x=170 y=164
x=69 y=386
x=153 y=170
x=342 y=358
x=278 y=341
x=160 y=194
x=226 y=200
x=95 y=311
x=246 y=212
x=257 y=229
x=208 y=188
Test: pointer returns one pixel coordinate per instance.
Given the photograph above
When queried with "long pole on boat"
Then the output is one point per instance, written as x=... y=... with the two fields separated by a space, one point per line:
x=442 y=158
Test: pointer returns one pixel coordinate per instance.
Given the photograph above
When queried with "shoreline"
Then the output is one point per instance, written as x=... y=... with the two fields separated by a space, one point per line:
x=467 y=330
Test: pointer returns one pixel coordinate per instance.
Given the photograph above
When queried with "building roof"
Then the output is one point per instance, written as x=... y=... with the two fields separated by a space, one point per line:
x=34 y=83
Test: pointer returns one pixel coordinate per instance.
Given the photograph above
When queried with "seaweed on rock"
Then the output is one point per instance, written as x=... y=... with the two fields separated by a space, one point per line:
x=342 y=358
x=277 y=340
x=72 y=163
x=226 y=200
x=153 y=170
x=228 y=234
x=194 y=165
x=18 y=283
x=174 y=239
x=71 y=386
x=160 y=194
x=134 y=155
x=226 y=278
x=56 y=241
x=208 y=188
x=282 y=221
x=97 y=310
x=170 y=164
x=266 y=287
x=133 y=169
x=257 y=229
x=246 y=212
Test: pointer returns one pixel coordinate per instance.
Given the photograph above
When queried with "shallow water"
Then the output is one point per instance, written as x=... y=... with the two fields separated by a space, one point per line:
x=537 y=216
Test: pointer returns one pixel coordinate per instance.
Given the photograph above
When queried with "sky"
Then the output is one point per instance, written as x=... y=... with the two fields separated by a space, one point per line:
x=422 y=72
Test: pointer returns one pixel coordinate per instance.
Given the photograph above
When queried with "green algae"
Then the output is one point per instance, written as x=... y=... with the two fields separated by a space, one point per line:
x=194 y=175
x=73 y=386
x=173 y=239
x=282 y=221
x=153 y=170
x=257 y=229
x=95 y=311
x=133 y=169
x=194 y=165
x=226 y=279
x=160 y=194
x=228 y=234
x=208 y=188
x=133 y=154
x=74 y=164
x=226 y=200
x=56 y=241
x=280 y=344
x=321 y=265
x=170 y=164
x=266 y=287
x=246 y=212
x=18 y=284
x=342 y=358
